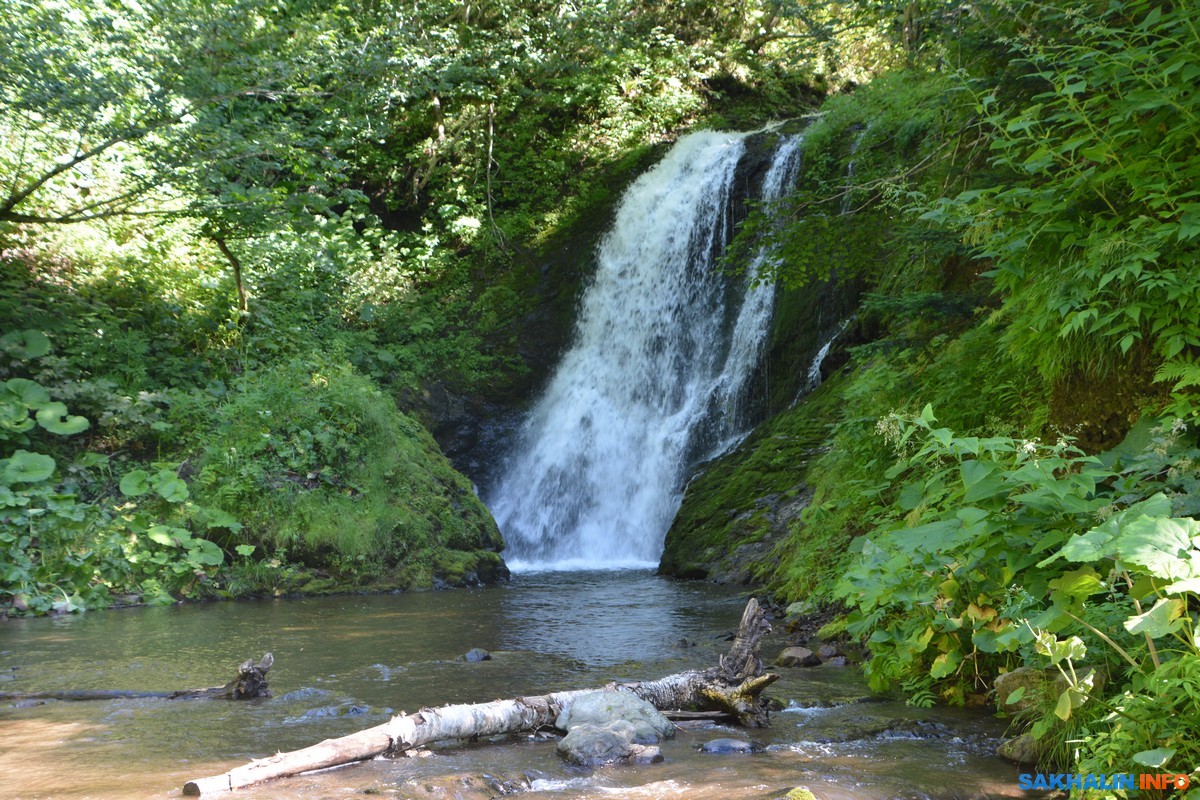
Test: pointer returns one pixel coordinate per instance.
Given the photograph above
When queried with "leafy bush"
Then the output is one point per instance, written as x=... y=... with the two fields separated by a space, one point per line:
x=66 y=543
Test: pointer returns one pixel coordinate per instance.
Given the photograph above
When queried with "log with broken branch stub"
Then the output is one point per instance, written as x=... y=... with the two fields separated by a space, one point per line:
x=734 y=687
x=249 y=683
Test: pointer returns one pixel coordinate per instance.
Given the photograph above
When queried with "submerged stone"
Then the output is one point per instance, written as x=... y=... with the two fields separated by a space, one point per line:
x=797 y=657
x=726 y=746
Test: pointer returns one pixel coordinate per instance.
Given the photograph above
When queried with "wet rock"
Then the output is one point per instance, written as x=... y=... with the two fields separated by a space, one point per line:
x=827 y=651
x=532 y=775
x=503 y=787
x=797 y=657
x=599 y=708
x=837 y=661
x=860 y=728
x=476 y=654
x=1023 y=749
x=800 y=608
x=588 y=745
x=457 y=787
x=303 y=693
x=329 y=712
x=1035 y=687
x=727 y=746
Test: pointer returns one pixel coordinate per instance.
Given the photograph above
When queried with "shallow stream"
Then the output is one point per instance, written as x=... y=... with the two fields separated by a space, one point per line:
x=346 y=663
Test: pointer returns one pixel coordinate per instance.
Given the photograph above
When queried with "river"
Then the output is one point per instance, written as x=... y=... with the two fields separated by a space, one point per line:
x=345 y=663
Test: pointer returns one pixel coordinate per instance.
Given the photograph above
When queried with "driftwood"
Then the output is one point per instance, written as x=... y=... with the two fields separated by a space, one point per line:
x=251 y=682
x=732 y=688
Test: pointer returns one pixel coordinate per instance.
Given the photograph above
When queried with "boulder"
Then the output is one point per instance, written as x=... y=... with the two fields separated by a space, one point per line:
x=588 y=745
x=599 y=708
x=726 y=746
x=1036 y=685
x=1023 y=749
x=477 y=654
x=797 y=657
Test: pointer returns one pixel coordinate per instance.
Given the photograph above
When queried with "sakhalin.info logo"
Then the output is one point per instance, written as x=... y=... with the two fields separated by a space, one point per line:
x=1068 y=781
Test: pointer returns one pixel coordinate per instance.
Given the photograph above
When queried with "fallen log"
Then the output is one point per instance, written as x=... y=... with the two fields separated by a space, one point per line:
x=733 y=687
x=250 y=682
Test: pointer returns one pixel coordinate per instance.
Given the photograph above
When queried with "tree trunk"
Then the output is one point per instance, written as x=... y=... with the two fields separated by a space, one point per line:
x=243 y=303
x=733 y=687
x=251 y=682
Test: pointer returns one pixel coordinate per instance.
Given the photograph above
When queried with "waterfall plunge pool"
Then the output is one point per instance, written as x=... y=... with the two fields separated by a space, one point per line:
x=346 y=663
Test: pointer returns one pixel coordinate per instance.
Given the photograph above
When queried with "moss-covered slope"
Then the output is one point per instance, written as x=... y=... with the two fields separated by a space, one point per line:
x=739 y=507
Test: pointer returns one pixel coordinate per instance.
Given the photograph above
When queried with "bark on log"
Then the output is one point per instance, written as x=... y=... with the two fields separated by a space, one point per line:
x=733 y=687
x=250 y=682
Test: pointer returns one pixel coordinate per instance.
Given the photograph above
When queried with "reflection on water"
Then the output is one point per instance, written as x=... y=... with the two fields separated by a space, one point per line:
x=346 y=663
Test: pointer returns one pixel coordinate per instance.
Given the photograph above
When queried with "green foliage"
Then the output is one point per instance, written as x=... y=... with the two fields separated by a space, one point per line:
x=65 y=545
x=1093 y=222
x=973 y=517
x=993 y=556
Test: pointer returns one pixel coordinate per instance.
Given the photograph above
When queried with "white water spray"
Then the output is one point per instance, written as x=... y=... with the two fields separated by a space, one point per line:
x=654 y=376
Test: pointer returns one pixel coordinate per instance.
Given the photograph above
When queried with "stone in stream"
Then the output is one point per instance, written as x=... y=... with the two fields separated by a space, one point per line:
x=799 y=793
x=476 y=654
x=588 y=745
x=599 y=708
x=1023 y=749
x=727 y=746
x=797 y=657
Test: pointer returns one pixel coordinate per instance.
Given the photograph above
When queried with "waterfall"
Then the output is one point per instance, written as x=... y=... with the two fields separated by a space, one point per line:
x=653 y=380
x=813 y=379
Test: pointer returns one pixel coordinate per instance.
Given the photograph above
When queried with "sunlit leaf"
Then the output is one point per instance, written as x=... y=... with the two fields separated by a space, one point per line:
x=26 y=467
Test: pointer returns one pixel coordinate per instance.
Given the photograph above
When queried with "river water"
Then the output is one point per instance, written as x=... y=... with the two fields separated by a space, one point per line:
x=345 y=663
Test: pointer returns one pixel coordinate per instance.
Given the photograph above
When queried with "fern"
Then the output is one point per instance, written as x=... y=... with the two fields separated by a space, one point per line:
x=1184 y=371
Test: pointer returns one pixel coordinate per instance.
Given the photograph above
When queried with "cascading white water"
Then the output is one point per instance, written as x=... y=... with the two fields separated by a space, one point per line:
x=813 y=379
x=655 y=368
x=749 y=339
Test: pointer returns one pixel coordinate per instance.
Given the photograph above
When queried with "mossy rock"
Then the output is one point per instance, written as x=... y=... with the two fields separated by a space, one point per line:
x=800 y=793
x=735 y=512
x=322 y=469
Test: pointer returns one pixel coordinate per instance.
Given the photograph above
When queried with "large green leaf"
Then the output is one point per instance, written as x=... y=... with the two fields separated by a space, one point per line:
x=26 y=467
x=1159 y=545
x=31 y=393
x=54 y=418
x=1159 y=621
x=945 y=664
x=170 y=487
x=14 y=416
x=135 y=483
x=1155 y=759
x=169 y=536
x=205 y=553
x=1099 y=542
x=1071 y=588
x=26 y=344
